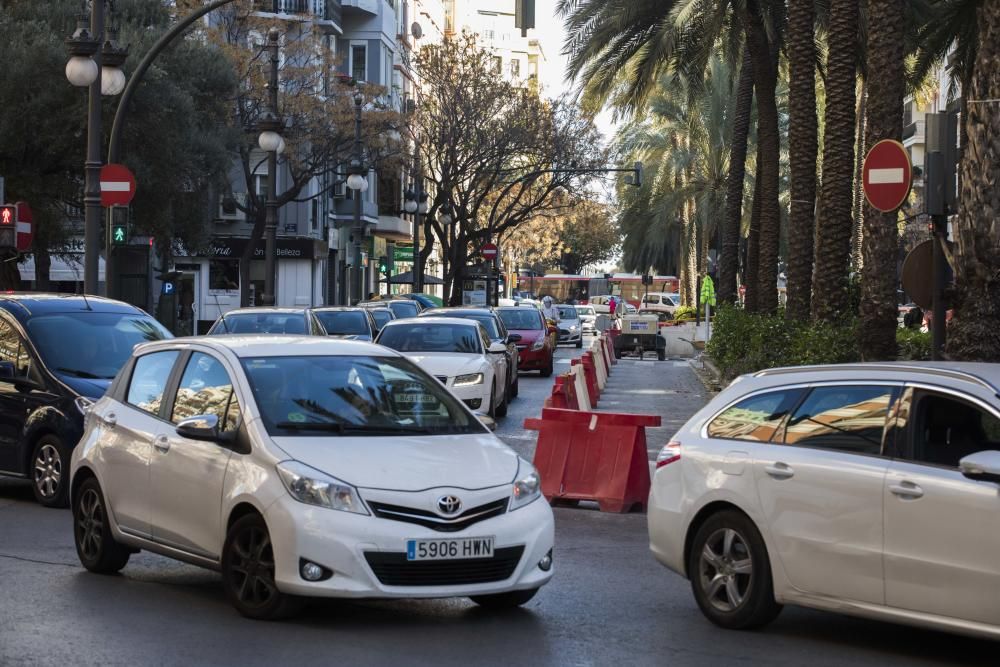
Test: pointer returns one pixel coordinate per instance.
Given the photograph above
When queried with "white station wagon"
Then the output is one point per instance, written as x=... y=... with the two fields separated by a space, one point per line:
x=869 y=489
x=305 y=466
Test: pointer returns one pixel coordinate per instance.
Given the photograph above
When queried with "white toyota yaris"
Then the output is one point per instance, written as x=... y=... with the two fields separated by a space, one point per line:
x=304 y=466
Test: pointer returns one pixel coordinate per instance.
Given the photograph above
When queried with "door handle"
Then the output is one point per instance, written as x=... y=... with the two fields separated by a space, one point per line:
x=162 y=444
x=906 y=490
x=109 y=420
x=779 y=471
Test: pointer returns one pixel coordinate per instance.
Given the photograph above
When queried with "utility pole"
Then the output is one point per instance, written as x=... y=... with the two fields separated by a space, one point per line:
x=941 y=199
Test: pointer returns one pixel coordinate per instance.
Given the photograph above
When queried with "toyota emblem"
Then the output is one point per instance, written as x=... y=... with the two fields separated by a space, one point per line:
x=449 y=504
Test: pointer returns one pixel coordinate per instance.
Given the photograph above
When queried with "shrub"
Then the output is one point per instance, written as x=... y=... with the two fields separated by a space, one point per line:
x=683 y=313
x=914 y=345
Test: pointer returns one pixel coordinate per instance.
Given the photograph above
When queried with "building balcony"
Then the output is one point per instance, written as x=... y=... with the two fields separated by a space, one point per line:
x=394 y=228
x=370 y=7
x=913 y=133
x=326 y=13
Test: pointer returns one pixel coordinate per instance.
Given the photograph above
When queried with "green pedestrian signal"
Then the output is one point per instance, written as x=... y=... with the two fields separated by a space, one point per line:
x=119 y=234
x=383 y=265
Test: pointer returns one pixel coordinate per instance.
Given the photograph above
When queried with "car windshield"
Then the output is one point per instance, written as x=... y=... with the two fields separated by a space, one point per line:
x=486 y=320
x=382 y=316
x=431 y=337
x=675 y=299
x=585 y=310
x=260 y=323
x=348 y=395
x=567 y=313
x=402 y=309
x=91 y=344
x=344 y=322
x=523 y=319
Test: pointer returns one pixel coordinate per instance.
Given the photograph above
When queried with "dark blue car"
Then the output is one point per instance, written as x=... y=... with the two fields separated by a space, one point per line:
x=58 y=352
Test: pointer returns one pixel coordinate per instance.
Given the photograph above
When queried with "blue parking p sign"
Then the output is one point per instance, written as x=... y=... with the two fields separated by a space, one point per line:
x=168 y=288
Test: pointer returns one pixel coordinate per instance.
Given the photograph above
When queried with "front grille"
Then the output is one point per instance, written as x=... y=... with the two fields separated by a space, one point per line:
x=392 y=568
x=436 y=522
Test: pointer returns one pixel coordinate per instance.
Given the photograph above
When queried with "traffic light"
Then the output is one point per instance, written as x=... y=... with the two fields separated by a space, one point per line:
x=8 y=226
x=119 y=234
x=383 y=265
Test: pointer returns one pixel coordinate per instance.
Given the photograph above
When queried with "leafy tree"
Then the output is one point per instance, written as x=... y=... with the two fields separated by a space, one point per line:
x=587 y=235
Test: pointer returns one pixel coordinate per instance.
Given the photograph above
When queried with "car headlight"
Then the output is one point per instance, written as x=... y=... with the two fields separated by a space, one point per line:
x=312 y=487
x=468 y=380
x=572 y=327
x=537 y=345
x=527 y=486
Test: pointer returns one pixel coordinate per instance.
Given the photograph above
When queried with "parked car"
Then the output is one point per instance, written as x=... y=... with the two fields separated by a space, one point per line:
x=459 y=353
x=58 y=353
x=868 y=489
x=401 y=308
x=660 y=302
x=588 y=318
x=497 y=332
x=221 y=452
x=381 y=316
x=266 y=320
x=535 y=349
x=347 y=322
x=570 y=326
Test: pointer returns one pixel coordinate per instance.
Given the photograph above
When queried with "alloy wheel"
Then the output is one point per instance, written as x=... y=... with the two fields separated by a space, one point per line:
x=252 y=567
x=725 y=569
x=90 y=524
x=48 y=470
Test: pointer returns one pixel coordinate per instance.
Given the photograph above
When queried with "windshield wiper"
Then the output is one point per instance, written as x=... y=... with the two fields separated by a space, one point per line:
x=386 y=429
x=86 y=375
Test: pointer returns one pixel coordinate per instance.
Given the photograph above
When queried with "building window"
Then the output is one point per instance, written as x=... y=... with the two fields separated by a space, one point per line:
x=497 y=64
x=223 y=276
x=449 y=15
x=515 y=68
x=907 y=113
x=359 y=62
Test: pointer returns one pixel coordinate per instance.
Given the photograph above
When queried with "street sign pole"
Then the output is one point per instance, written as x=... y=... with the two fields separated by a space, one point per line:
x=941 y=195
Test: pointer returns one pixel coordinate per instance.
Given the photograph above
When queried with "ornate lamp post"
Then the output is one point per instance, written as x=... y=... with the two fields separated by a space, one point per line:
x=272 y=143
x=416 y=204
x=94 y=63
x=358 y=182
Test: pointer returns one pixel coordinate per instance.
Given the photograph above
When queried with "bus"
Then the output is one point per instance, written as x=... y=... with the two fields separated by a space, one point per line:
x=565 y=288
x=629 y=286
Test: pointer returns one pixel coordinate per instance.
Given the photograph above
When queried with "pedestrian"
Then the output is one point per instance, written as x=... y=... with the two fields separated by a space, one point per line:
x=611 y=306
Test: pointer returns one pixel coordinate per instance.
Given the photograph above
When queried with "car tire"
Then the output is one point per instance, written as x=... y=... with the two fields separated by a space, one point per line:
x=508 y=600
x=248 y=572
x=504 y=402
x=661 y=355
x=49 y=471
x=492 y=408
x=579 y=343
x=95 y=545
x=730 y=573
x=547 y=371
x=515 y=388
x=618 y=353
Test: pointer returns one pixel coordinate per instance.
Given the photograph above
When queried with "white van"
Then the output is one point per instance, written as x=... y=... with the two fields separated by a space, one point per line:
x=660 y=302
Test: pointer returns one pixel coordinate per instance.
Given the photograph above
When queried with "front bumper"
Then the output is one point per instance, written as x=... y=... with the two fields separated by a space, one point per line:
x=567 y=336
x=475 y=396
x=350 y=544
x=529 y=361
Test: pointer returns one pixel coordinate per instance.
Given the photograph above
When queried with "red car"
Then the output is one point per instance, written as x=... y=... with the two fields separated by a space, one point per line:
x=535 y=349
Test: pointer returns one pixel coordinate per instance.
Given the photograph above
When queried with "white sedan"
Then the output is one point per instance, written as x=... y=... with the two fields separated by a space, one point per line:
x=867 y=489
x=459 y=353
x=305 y=466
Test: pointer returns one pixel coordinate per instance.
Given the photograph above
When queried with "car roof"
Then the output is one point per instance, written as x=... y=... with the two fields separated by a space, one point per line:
x=25 y=305
x=264 y=310
x=433 y=319
x=455 y=311
x=982 y=374
x=329 y=309
x=272 y=345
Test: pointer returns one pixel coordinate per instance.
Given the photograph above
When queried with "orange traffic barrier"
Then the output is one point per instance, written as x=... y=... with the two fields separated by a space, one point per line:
x=558 y=397
x=590 y=376
x=609 y=347
x=598 y=456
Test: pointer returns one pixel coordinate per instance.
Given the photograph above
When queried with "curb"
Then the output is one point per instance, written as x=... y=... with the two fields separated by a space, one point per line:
x=707 y=372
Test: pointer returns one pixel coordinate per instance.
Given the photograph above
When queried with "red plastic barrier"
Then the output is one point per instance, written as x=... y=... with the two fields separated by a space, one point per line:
x=590 y=375
x=608 y=358
x=597 y=456
x=562 y=390
x=609 y=345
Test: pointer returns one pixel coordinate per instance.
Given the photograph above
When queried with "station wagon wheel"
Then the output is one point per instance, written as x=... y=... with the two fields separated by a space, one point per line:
x=95 y=545
x=730 y=573
x=248 y=571
x=49 y=472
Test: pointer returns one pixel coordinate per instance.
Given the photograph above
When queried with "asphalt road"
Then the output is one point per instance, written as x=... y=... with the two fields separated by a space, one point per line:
x=609 y=604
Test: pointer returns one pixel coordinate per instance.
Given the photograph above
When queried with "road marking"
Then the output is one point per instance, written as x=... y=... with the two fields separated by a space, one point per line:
x=892 y=175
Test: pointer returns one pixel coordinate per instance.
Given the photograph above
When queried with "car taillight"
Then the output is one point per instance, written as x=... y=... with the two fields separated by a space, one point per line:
x=670 y=453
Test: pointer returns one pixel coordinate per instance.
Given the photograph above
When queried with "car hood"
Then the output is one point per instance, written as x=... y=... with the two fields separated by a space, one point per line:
x=446 y=363
x=365 y=337
x=415 y=463
x=528 y=335
x=84 y=386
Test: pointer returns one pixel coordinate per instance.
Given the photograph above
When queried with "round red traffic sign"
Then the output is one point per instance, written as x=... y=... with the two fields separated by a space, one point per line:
x=25 y=226
x=489 y=251
x=117 y=185
x=887 y=175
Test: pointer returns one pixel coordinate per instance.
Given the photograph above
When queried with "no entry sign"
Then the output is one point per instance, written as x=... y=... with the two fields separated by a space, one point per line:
x=117 y=185
x=489 y=251
x=887 y=175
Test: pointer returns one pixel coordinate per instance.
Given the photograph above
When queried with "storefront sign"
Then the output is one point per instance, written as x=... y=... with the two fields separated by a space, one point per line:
x=290 y=248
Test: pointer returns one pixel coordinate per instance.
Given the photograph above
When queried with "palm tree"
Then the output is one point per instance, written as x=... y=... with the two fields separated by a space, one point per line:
x=886 y=85
x=834 y=225
x=975 y=332
x=802 y=148
x=729 y=252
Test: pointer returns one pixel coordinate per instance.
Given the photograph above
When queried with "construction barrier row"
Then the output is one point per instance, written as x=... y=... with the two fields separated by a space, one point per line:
x=586 y=455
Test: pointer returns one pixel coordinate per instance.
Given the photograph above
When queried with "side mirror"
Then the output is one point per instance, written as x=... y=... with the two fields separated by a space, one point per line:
x=7 y=370
x=486 y=421
x=497 y=348
x=513 y=338
x=982 y=466
x=201 y=427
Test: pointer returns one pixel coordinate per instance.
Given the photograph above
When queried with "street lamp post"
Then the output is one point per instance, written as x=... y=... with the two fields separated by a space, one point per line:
x=272 y=143
x=357 y=181
x=415 y=203
x=94 y=63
